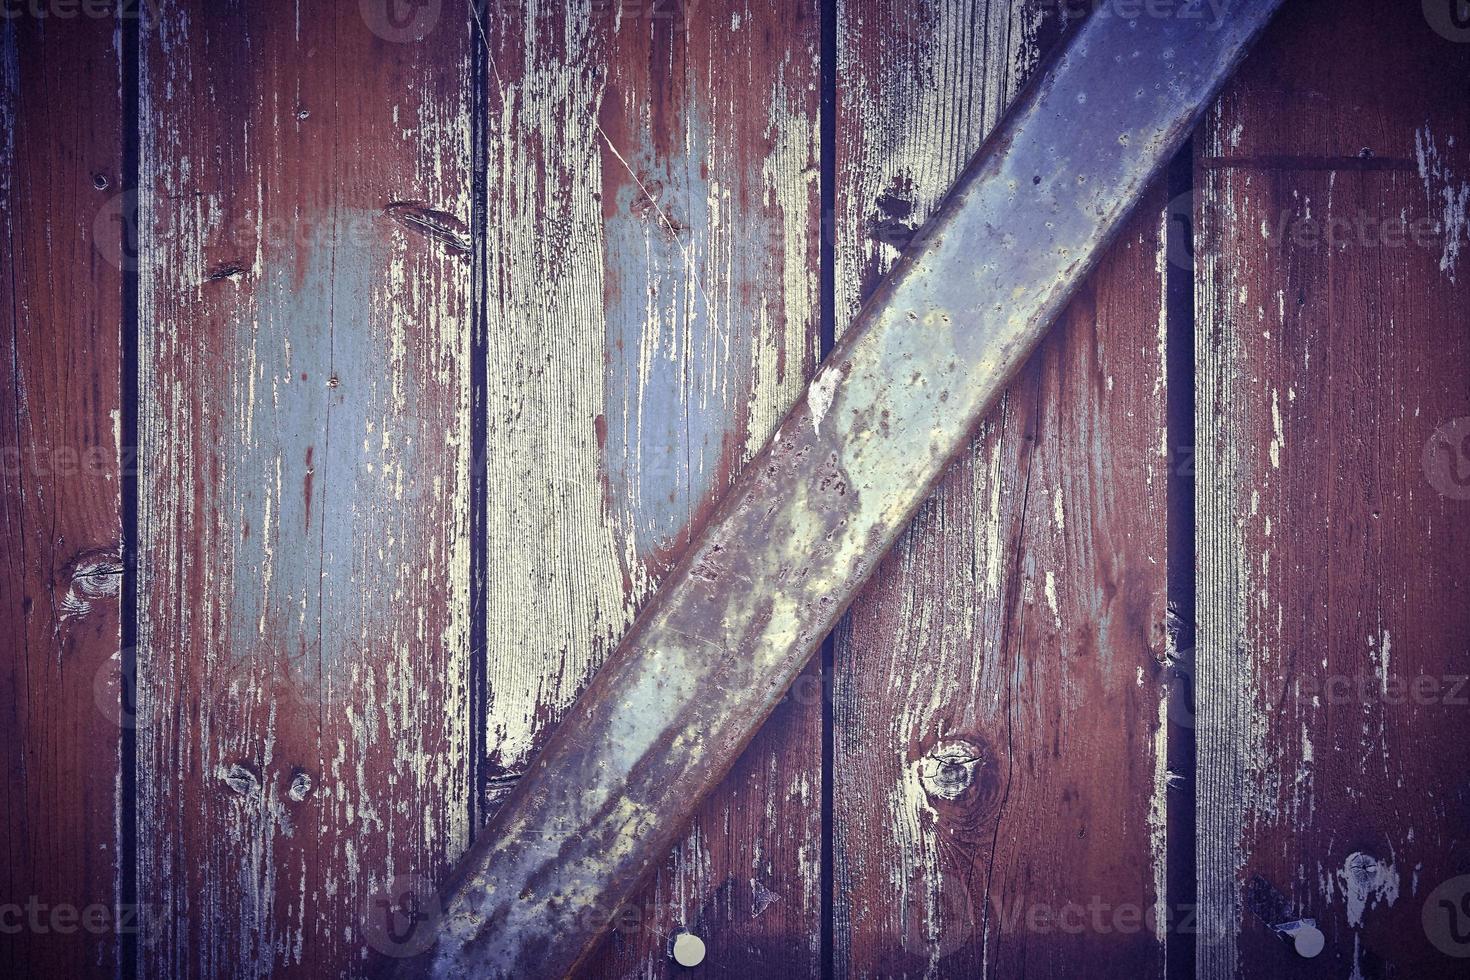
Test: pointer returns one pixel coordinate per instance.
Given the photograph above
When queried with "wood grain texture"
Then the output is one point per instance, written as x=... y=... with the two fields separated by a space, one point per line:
x=60 y=534
x=1334 y=596
x=304 y=520
x=998 y=691
x=653 y=299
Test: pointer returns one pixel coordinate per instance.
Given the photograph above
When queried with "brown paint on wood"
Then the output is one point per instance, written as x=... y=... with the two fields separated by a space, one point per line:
x=304 y=504
x=64 y=233
x=1333 y=517
x=998 y=690
x=652 y=266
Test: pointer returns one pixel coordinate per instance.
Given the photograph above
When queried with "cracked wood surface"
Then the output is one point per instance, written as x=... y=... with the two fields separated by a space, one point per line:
x=998 y=686
x=1332 y=287
x=61 y=574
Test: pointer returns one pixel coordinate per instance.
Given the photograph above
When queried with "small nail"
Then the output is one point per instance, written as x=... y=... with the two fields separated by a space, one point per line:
x=1309 y=941
x=1305 y=937
x=688 y=949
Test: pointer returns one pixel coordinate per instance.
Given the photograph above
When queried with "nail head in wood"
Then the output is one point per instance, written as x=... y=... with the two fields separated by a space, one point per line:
x=1308 y=941
x=688 y=949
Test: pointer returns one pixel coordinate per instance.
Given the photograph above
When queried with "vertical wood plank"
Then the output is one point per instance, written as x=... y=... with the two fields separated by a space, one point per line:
x=1334 y=596
x=998 y=688
x=653 y=295
x=303 y=774
x=61 y=576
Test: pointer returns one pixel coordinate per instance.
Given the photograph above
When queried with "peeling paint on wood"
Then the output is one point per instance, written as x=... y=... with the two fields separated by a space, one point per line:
x=304 y=504
x=305 y=737
x=653 y=229
x=808 y=521
x=1331 y=539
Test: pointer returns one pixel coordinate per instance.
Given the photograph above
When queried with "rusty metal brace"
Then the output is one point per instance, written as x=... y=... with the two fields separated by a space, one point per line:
x=810 y=516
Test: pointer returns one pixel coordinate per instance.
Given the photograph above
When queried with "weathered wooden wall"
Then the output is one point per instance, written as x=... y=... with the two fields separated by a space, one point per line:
x=1333 y=347
x=304 y=431
x=652 y=232
x=452 y=323
x=1008 y=651
x=63 y=240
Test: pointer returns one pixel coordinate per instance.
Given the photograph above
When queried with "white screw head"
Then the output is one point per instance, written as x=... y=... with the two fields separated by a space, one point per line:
x=1309 y=941
x=688 y=949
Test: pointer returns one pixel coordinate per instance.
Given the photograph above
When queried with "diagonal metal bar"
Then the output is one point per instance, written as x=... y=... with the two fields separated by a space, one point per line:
x=809 y=518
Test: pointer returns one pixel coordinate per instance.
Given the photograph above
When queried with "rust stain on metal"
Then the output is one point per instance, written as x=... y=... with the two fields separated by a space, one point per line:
x=809 y=518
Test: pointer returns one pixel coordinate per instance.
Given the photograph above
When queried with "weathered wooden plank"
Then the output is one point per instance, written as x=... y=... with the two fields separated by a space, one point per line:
x=304 y=516
x=1334 y=596
x=652 y=265
x=998 y=798
x=60 y=579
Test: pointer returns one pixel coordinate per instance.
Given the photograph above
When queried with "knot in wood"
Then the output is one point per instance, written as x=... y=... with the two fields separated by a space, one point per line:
x=948 y=770
x=89 y=577
x=242 y=779
x=300 y=785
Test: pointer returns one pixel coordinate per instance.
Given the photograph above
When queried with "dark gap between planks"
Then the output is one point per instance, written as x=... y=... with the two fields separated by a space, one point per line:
x=1180 y=890
x=127 y=817
x=828 y=299
x=479 y=420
